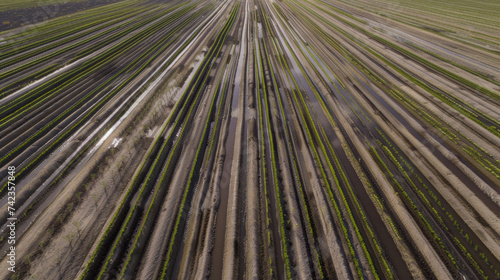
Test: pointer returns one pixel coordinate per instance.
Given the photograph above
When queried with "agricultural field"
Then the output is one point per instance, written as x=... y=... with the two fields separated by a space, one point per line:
x=258 y=139
x=31 y=14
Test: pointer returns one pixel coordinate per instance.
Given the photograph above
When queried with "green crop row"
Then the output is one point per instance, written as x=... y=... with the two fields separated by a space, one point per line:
x=432 y=209
x=123 y=207
x=316 y=157
x=219 y=41
x=262 y=147
x=100 y=61
x=471 y=149
x=213 y=51
x=433 y=237
x=97 y=106
x=373 y=239
x=448 y=98
x=367 y=227
x=265 y=99
x=292 y=158
x=457 y=139
x=150 y=178
x=142 y=235
x=8 y=89
x=436 y=199
x=483 y=76
x=191 y=181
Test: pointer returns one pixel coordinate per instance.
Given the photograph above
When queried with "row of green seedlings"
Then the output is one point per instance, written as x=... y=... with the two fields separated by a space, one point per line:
x=176 y=116
x=113 y=227
x=376 y=197
x=73 y=162
x=441 y=30
x=475 y=151
x=312 y=55
x=432 y=209
x=91 y=48
x=165 y=13
x=432 y=236
x=200 y=153
x=488 y=165
x=71 y=165
x=372 y=241
x=358 y=209
x=26 y=79
x=465 y=236
x=395 y=230
x=454 y=102
x=56 y=85
x=96 y=107
x=148 y=219
x=262 y=154
x=263 y=98
x=192 y=179
x=74 y=74
x=316 y=157
x=141 y=240
x=166 y=174
x=371 y=237
x=292 y=159
x=61 y=25
x=98 y=169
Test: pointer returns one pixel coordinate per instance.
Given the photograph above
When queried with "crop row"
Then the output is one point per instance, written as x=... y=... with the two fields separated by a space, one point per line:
x=432 y=236
x=451 y=217
x=445 y=251
x=87 y=68
x=309 y=122
x=443 y=206
x=194 y=173
x=357 y=207
x=175 y=122
x=483 y=76
x=263 y=101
